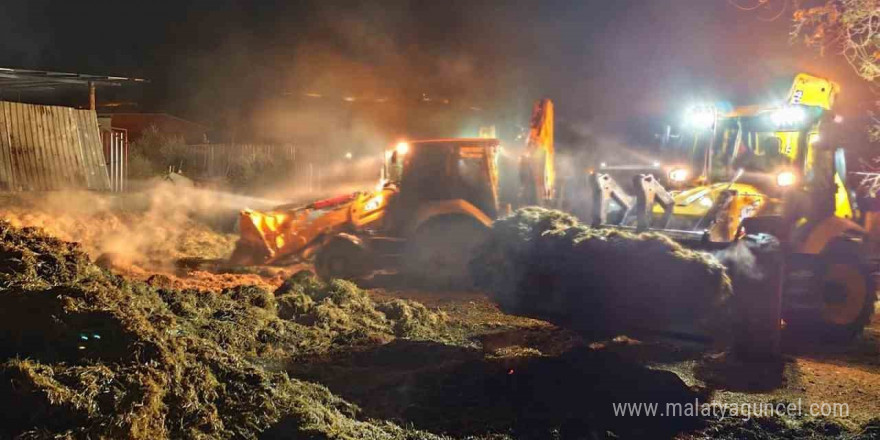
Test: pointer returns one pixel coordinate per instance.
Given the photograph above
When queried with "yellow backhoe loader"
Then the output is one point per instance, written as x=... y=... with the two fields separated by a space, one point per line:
x=435 y=202
x=437 y=198
x=756 y=173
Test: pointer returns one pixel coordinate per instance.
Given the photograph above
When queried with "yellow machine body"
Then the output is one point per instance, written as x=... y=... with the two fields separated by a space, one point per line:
x=796 y=147
x=421 y=180
x=766 y=170
x=274 y=236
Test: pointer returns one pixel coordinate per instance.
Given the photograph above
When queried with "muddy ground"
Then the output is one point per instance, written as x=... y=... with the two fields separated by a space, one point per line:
x=495 y=375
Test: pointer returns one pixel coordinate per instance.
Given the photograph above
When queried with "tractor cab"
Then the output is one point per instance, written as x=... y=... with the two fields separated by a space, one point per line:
x=727 y=166
x=764 y=153
x=442 y=176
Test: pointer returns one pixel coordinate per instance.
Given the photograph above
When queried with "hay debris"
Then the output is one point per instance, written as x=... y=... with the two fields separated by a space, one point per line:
x=87 y=354
x=769 y=428
x=545 y=264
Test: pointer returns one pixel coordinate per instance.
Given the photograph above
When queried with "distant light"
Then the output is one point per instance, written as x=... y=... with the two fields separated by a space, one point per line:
x=402 y=148
x=349 y=155
x=603 y=165
x=349 y=99
x=838 y=119
x=313 y=95
x=815 y=138
x=656 y=164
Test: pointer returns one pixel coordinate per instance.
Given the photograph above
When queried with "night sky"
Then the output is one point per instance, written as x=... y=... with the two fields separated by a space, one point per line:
x=421 y=67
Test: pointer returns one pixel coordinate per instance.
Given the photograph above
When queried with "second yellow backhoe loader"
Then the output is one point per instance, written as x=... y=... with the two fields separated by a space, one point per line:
x=759 y=173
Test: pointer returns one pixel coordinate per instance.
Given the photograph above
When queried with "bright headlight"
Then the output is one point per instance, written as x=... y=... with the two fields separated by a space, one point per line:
x=402 y=148
x=678 y=175
x=788 y=116
x=701 y=117
x=374 y=203
x=786 y=178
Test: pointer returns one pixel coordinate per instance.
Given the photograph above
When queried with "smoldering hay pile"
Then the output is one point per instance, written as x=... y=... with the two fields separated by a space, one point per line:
x=148 y=228
x=545 y=264
x=87 y=354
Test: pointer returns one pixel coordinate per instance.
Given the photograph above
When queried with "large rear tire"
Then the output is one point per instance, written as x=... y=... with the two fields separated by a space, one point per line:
x=848 y=291
x=439 y=252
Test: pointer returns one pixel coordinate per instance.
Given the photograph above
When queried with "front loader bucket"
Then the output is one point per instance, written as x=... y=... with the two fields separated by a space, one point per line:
x=289 y=233
x=252 y=247
x=267 y=237
x=755 y=262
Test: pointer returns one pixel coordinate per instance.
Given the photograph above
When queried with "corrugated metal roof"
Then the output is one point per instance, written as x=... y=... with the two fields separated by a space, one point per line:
x=48 y=147
x=13 y=79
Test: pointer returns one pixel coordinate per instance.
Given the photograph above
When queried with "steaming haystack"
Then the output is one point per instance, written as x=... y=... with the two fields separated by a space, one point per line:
x=89 y=354
x=146 y=229
x=543 y=263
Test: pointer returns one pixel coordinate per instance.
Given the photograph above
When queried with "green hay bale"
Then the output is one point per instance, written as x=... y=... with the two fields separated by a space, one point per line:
x=293 y=305
x=768 y=428
x=168 y=363
x=342 y=308
x=301 y=282
x=412 y=320
x=543 y=263
x=252 y=295
x=30 y=257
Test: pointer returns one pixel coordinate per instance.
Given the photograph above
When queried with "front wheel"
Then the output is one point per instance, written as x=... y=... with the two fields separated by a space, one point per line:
x=439 y=252
x=247 y=254
x=341 y=258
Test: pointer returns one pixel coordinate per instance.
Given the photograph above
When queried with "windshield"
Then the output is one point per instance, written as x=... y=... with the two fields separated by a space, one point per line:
x=753 y=151
x=750 y=144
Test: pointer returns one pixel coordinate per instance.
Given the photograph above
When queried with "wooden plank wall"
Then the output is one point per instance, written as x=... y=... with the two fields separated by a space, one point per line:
x=47 y=147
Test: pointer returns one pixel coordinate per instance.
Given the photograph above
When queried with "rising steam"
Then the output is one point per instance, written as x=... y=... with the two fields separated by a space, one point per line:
x=149 y=228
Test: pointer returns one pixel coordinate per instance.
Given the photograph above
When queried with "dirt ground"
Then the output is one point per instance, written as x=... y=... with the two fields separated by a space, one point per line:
x=511 y=375
x=509 y=348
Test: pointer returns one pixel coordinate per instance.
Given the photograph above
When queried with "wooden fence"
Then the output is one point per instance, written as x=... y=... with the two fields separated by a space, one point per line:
x=48 y=147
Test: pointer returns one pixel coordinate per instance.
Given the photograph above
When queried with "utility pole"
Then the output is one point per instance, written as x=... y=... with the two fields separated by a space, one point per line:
x=92 y=101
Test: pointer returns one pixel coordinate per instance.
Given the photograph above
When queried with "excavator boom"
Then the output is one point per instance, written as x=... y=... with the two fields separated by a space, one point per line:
x=537 y=164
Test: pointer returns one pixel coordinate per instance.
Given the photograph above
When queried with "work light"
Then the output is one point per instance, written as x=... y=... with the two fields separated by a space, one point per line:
x=679 y=175
x=785 y=179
